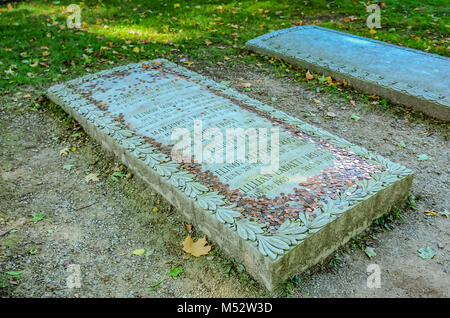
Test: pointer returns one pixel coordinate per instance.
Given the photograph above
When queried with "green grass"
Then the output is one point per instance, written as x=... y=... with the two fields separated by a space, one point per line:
x=38 y=48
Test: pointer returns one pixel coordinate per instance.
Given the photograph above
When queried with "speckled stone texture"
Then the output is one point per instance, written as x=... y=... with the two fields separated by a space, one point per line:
x=406 y=76
x=277 y=224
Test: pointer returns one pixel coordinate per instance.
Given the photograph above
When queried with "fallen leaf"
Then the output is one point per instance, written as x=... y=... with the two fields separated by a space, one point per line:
x=427 y=252
x=176 y=271
x=430 y=212
x=422 y=157
x=152 y=287
x=372 y=31
x=38 y=217
x=196 y=249
x=355 y=117
x=155 y=209
x=92 y=177
x=64 y=152
x=68 y=167
x=188 y=228
x=138 y=252
x=316 y=101
x=246 y=85
x=370 y=252
x=309 y=76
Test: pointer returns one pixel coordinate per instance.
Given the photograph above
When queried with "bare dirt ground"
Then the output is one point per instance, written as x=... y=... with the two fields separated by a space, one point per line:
x=99 y=224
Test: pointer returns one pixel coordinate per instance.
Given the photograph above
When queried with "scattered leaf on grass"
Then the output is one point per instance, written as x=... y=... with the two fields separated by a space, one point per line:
x=355 y=117
x=422 y=157
x=176 y=271
x=430 y=212
x=309 y=76
x=155 y=209
x=370 y=252
x=427 y=252
x=196 y=249
x=138 y=252
x=401 y=144
x=68 y=167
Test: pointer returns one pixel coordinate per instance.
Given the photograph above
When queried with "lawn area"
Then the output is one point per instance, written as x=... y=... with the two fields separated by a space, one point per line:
x=38 y=48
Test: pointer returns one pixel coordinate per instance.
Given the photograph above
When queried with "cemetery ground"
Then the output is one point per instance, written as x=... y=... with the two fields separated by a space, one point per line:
x=60 y=217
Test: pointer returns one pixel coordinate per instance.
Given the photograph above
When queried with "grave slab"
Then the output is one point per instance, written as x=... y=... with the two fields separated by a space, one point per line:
x=276 y=222
x=405 y=76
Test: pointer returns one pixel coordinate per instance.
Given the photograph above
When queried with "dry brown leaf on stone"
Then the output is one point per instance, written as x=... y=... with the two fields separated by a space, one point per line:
x=246 y=85
x=196 y=249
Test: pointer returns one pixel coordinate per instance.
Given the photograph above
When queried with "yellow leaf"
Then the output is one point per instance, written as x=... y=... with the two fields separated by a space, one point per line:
x=372 y=31
x=138 y=252
x=73 y=149
x=188 y=228
x=196 y=249
x=64 y=151
x=430 y=212
x=316 y=101
x=309 y=76
x=176 y=5
x=155 y=209
x=136 y=49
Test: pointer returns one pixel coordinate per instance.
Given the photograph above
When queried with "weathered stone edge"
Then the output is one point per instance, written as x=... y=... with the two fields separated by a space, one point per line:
x=398 y=92
x=291 y=233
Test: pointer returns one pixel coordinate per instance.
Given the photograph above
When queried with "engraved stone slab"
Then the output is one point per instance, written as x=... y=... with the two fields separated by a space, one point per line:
x=406 y=76
x=321 y=191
